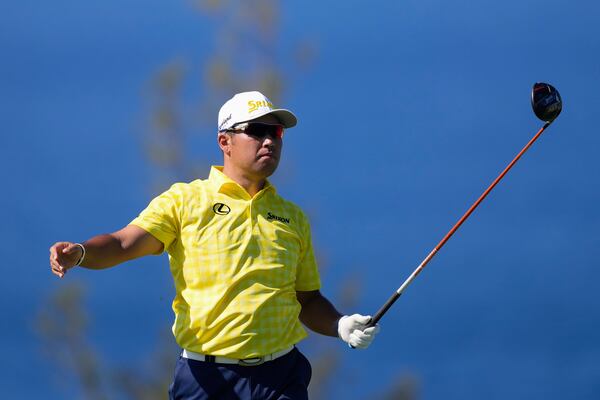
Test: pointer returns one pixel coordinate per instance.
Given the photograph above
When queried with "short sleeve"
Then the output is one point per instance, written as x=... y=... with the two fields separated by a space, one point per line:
x=307 y=275
x=161 y=217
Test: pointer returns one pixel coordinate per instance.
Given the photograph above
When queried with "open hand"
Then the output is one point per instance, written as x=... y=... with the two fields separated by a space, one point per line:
x=64 y=256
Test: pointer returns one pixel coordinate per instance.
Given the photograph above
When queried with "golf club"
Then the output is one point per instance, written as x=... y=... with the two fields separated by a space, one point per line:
x=547 y=104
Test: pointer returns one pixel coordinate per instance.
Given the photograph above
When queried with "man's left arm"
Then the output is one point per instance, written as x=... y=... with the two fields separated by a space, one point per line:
x=320 y=316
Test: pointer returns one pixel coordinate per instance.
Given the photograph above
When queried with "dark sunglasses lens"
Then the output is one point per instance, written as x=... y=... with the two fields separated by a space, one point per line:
x=262 y=130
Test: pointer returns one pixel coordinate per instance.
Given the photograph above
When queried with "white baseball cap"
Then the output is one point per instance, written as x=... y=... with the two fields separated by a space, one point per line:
x=246 y=106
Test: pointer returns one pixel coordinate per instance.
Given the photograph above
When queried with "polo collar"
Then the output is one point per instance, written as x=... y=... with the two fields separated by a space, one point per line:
x=224 y=184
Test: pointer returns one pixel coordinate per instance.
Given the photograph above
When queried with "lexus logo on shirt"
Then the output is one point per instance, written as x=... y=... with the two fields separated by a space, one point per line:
x=221 y=209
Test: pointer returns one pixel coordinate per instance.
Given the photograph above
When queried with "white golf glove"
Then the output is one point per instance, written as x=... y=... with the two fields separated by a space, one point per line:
x=351 y=329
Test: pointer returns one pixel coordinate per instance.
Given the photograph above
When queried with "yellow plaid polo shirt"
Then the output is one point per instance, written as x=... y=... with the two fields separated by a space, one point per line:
x=237 y=263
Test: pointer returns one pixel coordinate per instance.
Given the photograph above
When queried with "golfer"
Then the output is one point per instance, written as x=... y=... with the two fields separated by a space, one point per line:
x=243 y=266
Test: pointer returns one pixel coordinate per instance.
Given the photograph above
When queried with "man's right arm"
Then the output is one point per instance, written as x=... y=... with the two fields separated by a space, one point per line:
x=104 y=251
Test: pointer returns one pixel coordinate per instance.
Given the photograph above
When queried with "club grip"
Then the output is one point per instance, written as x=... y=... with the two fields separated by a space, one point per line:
x=382 y=311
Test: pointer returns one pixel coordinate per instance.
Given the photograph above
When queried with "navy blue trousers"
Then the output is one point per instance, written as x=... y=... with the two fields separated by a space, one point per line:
x=285 y=378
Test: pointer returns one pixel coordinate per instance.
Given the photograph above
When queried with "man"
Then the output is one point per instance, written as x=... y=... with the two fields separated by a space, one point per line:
x=242 y=262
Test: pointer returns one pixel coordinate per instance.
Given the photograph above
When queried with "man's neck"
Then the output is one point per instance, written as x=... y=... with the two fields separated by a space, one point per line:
x=250 y=184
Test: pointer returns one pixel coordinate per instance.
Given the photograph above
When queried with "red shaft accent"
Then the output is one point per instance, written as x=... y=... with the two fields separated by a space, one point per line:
x=489 y=189
x=421 y=266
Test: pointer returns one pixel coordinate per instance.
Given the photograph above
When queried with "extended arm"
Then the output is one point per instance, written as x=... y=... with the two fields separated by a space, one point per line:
x=319 y=315
x=104 y=251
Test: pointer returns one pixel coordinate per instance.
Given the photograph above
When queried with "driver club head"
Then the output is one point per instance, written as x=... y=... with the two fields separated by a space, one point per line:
x=546 y=101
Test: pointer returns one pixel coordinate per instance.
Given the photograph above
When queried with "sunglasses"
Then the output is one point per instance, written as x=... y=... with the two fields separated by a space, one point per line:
x=259 y=130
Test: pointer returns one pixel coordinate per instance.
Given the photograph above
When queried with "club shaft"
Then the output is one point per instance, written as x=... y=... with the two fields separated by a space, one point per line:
x=380 y=313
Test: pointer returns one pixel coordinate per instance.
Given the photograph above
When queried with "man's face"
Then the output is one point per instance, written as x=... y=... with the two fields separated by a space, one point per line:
x=257 y=157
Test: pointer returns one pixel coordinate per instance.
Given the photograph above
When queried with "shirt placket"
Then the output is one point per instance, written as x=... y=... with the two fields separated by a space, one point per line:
x=251 y=214
x=253 y=210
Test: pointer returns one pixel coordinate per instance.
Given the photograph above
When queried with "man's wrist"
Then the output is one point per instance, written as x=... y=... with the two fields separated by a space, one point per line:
x=337 y=326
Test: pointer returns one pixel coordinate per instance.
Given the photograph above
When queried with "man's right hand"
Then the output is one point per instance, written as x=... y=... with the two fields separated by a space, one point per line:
x=64 y=256
x=104 y=251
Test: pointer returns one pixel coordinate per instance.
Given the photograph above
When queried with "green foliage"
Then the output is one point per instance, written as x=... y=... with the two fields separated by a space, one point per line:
x=246 y=53
x=62 y=325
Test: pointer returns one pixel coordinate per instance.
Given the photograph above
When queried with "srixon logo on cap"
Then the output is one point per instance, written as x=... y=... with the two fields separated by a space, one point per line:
x=255 y=105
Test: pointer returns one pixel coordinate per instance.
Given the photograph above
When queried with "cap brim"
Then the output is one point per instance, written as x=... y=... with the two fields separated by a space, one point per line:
x=286 y=117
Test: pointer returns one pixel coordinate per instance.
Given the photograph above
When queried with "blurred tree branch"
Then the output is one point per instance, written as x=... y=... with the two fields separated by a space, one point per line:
x=62 y=324
x=247 y=54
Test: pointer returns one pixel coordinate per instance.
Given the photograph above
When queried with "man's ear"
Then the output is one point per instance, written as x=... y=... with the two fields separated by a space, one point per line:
x=224 y=141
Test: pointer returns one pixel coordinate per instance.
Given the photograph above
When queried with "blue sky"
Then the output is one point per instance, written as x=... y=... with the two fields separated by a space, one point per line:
x=410 y=110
